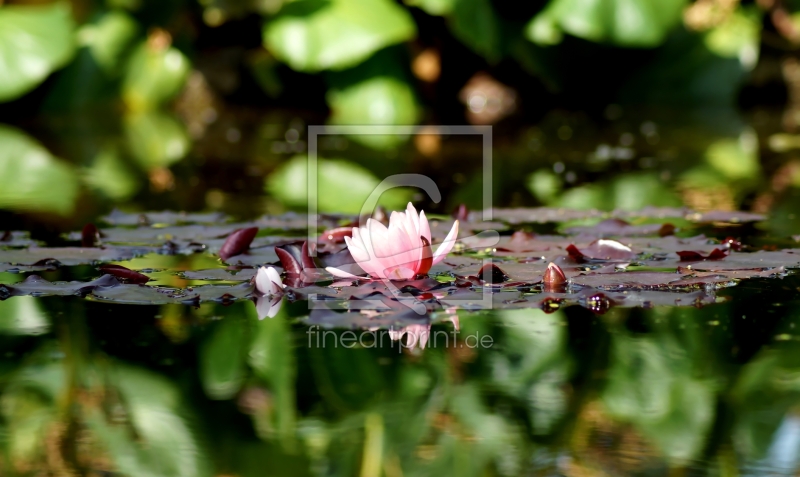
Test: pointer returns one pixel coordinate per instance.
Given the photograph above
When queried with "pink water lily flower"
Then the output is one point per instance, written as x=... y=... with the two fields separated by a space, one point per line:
x=399 y=252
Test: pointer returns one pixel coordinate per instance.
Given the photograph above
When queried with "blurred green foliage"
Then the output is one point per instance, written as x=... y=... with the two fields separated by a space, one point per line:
x=663 y=388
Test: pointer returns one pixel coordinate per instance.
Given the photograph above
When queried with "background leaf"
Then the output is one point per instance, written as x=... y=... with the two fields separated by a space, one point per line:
x=314 y=35
x=31 y=178
x=34 y=41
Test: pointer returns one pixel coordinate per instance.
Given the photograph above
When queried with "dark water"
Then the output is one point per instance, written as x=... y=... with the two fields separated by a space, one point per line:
x=97 y=388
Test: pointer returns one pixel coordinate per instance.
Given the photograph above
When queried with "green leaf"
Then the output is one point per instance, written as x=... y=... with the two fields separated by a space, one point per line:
x=31 y=178
x=314 y=35
x=543 y=29
x=155 y=139
x=341 y=186
x=153 y=76
x=110 y=176
x=222 y=358
x=433 y=7
x=545 y=185
x=109 y=38
x=738 y=37
x=630 y=23
x=34 y=42
x=476 y=24
x=736 y=159
x=375 y=93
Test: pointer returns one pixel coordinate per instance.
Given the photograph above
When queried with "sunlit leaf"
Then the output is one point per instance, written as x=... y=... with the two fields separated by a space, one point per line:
x=31 y=178
x=155 y=139
x=342 y=186
x=109 y=38
x=433 y=7
x=631 y=23
x=153 y=75
x=543 y=29
x=375 y=93
x=109 y=175
x=34 y=41
x=314 y=35
x=737 y=37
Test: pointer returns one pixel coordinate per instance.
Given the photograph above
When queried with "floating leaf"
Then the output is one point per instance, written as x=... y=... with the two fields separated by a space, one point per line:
x=35 y=40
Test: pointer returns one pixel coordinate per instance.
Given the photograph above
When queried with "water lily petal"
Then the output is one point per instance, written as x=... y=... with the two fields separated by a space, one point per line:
x=447 y=245
x=340 y=273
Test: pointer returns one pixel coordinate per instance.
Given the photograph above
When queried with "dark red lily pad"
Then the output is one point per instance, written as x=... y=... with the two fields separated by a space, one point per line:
x=694 y=255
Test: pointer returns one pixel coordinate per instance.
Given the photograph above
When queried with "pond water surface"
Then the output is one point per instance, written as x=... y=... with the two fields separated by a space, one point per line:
x=681 y=356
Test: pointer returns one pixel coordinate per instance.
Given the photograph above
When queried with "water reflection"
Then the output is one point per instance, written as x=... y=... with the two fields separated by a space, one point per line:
x=171 y=390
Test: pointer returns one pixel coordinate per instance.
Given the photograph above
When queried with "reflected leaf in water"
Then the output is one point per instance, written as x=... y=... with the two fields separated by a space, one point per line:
x=109 y=38
x=23 y=316
x=29 y=412
x=766 y=392
x=223 y=354
x=31 y=178
x=344 y=185
x=155 y=139
x=152 y=434
x=155 y=73
x=353 y=31
x=35 y=40
x=652 y=383
x=111 y=176
x=272 y=358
